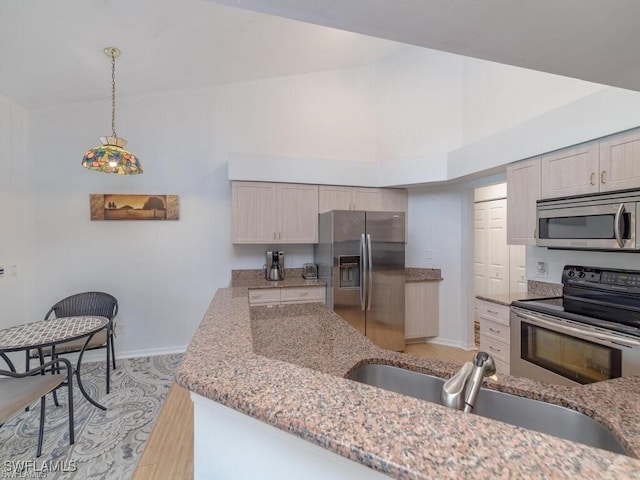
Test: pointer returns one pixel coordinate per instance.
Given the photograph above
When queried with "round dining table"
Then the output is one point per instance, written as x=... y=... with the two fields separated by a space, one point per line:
x=49 y=333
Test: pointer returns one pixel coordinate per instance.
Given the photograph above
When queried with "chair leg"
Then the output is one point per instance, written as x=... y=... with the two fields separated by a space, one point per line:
x=113 y=353
x=109 y=340
x=72 y=433
x=41 y=428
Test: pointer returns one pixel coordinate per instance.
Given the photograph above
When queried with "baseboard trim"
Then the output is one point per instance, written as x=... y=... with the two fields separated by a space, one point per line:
x=450 y=343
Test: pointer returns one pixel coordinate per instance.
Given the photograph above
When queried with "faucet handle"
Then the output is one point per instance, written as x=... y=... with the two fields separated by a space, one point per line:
x=484 y=360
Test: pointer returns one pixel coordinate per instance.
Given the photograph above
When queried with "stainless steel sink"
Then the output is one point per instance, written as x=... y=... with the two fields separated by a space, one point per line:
x=523 y=412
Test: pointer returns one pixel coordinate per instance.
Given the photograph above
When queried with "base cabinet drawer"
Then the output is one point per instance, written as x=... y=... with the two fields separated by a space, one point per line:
x=286 y=296
x=264 y=296
x=495 y=331
x=497 y=313
x=502 y=367
x=302 y=295
x=498 y=350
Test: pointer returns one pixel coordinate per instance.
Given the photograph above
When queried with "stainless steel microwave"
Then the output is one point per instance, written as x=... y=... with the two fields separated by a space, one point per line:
x=606 y=221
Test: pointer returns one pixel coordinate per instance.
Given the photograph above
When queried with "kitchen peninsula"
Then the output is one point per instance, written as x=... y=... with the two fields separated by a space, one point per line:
x=270 y=399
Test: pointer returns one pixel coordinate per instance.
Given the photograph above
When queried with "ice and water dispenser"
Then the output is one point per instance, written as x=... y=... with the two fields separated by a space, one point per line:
x=349 y=271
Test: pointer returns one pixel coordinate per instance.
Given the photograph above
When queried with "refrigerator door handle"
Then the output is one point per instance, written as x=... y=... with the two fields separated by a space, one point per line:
x=363 y=272
x=369 y=272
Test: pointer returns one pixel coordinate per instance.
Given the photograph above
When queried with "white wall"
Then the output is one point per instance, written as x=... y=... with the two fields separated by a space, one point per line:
x=557 y=259
x=14 y=240
x=438 y=219
x=496 y=97
x=165 y=273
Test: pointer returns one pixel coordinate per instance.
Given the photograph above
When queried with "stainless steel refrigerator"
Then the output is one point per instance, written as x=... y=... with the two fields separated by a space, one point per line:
x=361 y=257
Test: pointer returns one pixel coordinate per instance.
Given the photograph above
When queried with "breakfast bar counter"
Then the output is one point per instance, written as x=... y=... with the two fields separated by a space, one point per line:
x=283 y=369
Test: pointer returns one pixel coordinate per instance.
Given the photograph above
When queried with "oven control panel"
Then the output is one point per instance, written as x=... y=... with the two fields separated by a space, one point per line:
x=600 y=277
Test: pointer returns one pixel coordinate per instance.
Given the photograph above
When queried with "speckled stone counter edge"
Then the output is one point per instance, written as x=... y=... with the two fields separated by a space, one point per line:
x=255 y=278
x=400 y=436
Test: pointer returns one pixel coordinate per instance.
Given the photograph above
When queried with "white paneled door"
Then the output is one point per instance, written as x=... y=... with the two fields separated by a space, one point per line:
x=497 y=267
x=497 y=248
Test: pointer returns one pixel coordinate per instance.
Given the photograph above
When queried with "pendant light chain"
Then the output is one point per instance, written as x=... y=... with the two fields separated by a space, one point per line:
x=111 y=157
x=113 y=94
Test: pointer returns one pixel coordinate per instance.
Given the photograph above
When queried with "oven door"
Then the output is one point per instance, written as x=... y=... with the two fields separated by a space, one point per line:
x=588 y=225
x=560 y=351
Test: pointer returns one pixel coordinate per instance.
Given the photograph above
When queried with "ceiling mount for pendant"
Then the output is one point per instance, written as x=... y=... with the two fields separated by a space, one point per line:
x=111 y=157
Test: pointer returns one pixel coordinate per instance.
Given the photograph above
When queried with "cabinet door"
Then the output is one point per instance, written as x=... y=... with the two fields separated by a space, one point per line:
x=421 y=310
x=254 y=212
x=367 y=199
x=394 y=200
x=620 y=162
x=334 y=198
x=523 y=189
x=297 y=213
x=517 y=269
x=572 y=171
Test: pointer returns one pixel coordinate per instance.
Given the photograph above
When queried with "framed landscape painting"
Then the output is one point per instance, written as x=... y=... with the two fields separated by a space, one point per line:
x=116 y=206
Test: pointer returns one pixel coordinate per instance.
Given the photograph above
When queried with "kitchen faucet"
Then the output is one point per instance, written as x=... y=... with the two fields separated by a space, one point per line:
x=461 y=390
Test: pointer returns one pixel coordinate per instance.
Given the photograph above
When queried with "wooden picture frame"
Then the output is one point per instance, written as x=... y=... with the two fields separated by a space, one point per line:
x=123 y=206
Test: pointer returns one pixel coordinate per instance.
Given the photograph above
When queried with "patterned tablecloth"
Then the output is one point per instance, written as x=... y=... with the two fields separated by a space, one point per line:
x=49 y=332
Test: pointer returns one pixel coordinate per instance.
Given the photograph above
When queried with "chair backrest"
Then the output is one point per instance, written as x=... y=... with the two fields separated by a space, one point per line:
x=87 y=303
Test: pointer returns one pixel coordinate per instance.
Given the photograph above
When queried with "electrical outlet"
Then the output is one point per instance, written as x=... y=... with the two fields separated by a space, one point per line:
x=541 y=270
x=429 y=254
x=120 y=329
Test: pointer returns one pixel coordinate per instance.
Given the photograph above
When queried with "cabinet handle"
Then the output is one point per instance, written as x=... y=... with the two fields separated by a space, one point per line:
x=491 y=311
x=602 y=176
x=593 y=174
x=494 y=330
x=494 y=349
x=274 y=235
x=304 y=294
x=257 y=296
x=279 y=235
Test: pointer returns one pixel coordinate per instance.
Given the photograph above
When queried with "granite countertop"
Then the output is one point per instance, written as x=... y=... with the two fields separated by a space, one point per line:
x=536 y=289
x=508 y=298
x=286 y=367
x=293 y=278
x=256 y=279
x=414 y=275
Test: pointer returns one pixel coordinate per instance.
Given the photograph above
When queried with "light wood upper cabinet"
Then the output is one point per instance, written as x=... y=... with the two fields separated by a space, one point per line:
x=334 y=198
x=620 y=162
x=254 y=216
x=273 y=213
x=523 y=189
x=611 y=164
x=362 y=198
x=571 y=171
x=297 y=213
x=394 y=200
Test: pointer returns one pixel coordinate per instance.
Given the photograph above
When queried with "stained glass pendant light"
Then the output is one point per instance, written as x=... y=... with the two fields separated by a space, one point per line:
x=111 y=157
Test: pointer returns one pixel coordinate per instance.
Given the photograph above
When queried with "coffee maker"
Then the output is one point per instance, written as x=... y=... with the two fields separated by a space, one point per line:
x=275 y=265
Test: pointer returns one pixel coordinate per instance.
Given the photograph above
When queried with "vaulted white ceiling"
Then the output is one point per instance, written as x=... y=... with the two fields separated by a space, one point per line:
x=51 y=51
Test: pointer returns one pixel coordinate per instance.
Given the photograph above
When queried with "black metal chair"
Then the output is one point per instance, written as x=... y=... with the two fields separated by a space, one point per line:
x=97 y=304
x=19 y=390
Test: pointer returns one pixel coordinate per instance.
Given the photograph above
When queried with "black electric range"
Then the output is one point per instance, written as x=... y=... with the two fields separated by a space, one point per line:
x=601 y=297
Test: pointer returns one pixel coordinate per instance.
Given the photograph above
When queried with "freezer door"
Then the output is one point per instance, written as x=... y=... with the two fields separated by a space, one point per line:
x=347 y=282
x=385 y=304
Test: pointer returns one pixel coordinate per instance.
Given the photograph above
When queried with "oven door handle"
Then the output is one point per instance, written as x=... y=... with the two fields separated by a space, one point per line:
x=625 y=342
x=617 y=227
